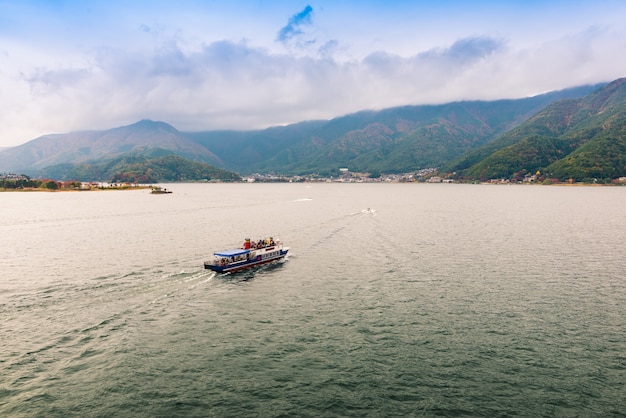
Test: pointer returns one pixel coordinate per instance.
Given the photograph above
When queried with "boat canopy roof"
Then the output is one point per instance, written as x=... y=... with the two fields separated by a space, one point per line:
x=231 y=253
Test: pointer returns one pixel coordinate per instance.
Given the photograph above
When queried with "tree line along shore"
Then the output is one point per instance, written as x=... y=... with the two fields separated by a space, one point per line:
x=22 y=183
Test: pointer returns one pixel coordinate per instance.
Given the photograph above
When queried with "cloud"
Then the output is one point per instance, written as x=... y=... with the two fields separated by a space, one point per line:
x=469 y=49
x=228 y=84
x=436 y=66
x=224 y=84
x=328 y=49
x=44 y=81
x=295 y=25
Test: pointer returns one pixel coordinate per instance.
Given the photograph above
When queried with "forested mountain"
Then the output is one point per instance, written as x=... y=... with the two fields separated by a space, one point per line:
x=140 y=169
x=580 y=139
x=575 y=133
x=392 y=140
x=144 y=137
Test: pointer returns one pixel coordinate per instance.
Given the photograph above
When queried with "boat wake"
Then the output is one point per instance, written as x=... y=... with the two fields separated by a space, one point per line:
x=158 y=299
x=190 y=280
x=368 y=211
x=207 y=278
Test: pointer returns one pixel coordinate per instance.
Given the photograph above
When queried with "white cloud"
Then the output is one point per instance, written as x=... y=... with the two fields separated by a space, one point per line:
x=175 y=76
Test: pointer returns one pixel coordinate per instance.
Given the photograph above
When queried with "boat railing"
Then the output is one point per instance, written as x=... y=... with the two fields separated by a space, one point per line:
x=262 y=246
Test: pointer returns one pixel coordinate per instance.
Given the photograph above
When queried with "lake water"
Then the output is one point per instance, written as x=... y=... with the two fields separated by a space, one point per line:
x=440 y=300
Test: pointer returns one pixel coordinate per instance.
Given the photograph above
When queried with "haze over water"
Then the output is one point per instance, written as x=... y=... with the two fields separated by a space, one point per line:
x=440 y=300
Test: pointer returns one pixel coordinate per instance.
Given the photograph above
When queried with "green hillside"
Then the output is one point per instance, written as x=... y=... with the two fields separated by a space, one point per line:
x=578 y=139
x=142 y=137
x=570 y=134
x=133 y=168
x=391 y=140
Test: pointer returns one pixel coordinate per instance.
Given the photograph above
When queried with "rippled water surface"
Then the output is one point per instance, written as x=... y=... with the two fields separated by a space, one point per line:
x=396 y=300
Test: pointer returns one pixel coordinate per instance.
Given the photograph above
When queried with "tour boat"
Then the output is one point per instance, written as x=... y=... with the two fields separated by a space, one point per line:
x=160 y=190
x=252 y=254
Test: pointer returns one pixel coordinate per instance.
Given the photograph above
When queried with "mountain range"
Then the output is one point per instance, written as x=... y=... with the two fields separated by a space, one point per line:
x=581 y=139
x=576 y=133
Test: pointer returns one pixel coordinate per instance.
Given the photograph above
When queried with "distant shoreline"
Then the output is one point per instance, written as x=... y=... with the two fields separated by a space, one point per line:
x=95 y=189
x=145 y=187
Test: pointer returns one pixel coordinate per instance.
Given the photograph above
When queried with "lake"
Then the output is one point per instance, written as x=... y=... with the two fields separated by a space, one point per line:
x=395 y=300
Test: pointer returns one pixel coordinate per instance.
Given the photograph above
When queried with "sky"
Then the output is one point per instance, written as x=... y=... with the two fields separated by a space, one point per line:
x=68 y=65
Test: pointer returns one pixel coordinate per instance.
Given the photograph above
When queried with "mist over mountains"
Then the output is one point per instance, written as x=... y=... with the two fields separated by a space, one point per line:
x=575 y=133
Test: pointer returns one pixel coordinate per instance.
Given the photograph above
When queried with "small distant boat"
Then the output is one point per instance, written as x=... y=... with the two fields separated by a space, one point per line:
x=160 y=190
x=251 y=255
